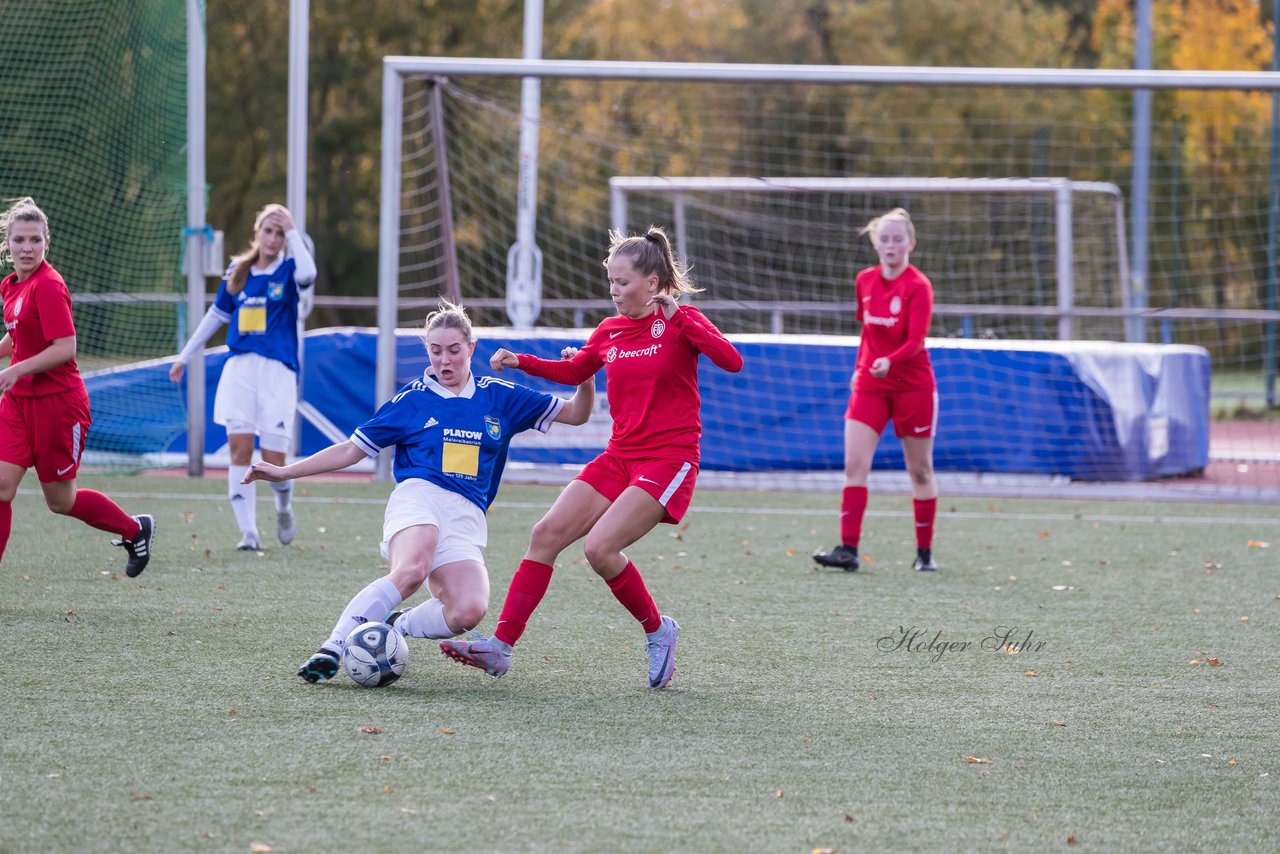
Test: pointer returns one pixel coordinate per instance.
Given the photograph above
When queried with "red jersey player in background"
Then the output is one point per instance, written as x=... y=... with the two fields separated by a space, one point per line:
x=893 y=378
x=44 y=413
x=649 y=352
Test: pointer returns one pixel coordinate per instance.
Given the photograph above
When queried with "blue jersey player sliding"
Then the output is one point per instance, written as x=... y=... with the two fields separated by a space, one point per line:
x=451 y=431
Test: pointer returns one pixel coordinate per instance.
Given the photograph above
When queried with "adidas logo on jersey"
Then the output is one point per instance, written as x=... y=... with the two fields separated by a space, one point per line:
x=431 y=422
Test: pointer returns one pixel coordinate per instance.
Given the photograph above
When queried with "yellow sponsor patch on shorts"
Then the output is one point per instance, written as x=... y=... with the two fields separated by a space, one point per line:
x=252 y=319
x=460 y=459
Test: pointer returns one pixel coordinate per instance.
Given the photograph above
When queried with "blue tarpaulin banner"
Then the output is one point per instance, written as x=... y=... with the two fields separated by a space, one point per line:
x=1085 y=410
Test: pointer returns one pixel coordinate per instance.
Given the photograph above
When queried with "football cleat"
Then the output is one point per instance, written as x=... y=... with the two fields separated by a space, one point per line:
x=924 y=561
x=396 y=615
x=250 y=542
x=842 y=556
x=322 y=665
x=286 y=527
x=662 y=653
x=139 y=548
x=488 y=654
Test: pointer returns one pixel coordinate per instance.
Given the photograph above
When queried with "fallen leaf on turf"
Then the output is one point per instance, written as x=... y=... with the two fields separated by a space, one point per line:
x=1063 y=587
x=1044 y=534
x=1071 y=840
x=977 y=760
x=1193 y=662
x=850 y=818
x=1232 y=762
x=1056 y=723
x=386 y=757
x=144 y=796
x=1214 y=662
x=1259 y=544
x=791 y=552
x=777 y=793
x=231 y=713
x=824 y=851
x=1030 y=673
x=259 y=848
x=408 y=810
x=371 y=730
x=1244 y=619
x=386 y=790
x=312 y=789
x=446 y=730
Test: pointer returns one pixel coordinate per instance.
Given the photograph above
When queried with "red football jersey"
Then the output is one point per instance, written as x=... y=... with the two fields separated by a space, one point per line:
x=651 y=367
x=37 y=311
x=895 y=318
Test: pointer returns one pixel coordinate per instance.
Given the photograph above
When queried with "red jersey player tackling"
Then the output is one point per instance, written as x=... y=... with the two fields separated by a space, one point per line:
x=44 y=413
x=893 y=378
x=649 y=352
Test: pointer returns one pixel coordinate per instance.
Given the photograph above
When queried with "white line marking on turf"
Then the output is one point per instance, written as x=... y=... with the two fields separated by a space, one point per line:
x=833 y=512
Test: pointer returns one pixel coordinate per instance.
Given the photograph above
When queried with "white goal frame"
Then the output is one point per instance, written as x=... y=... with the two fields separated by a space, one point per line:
x=1061 y=189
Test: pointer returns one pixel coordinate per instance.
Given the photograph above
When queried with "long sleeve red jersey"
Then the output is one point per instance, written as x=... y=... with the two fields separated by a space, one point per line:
x=651 y=367
x=895 y=316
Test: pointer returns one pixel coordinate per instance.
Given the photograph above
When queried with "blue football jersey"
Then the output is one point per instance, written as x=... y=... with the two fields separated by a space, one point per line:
x=263 y=317
x=458 y=442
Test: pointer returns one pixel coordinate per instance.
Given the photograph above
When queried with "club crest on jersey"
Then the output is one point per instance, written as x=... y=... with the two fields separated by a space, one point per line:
x=17 y=307
x=493 y=427
x=895 y=305
x=275 y=291
x=659 y=327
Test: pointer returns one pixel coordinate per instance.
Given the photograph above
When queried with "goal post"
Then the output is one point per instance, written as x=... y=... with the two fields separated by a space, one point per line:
x=1061 y=190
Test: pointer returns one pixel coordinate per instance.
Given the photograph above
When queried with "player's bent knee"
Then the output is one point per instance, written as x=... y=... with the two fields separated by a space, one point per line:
x=599 y=555
x=59 y=505
x=465 y=615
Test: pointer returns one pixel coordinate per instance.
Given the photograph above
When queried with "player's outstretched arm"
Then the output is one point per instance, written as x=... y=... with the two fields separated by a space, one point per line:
x=331 y=458
x=578 y=410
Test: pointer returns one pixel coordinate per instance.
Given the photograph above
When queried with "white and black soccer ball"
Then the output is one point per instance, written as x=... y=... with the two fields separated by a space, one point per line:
x=375 y=655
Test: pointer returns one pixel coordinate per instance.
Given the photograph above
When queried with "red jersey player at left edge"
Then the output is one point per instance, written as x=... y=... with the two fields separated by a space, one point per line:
x=649 y=352
x=892 y=379
x=44 y=413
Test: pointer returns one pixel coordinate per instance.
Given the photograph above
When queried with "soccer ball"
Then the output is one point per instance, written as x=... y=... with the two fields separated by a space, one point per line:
x=375 y=655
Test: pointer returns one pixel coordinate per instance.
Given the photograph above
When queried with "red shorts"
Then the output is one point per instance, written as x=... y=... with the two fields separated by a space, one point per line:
x=670 y=482
x=914 y=413
x=47 y=432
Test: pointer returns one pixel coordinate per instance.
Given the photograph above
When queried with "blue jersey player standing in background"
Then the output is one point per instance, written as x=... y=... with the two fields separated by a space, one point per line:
x=451 y=431
x=261 y=296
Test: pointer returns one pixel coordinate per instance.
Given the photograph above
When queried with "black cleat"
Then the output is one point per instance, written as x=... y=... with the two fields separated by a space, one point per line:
x=842 y=556
x=322 y=665
x=139 y=548
x=924 y=561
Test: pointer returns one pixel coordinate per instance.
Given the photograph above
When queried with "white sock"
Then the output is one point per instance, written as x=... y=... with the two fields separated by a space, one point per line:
x=284 y=494
x=425 y=621
x=373 y=603
x=244 y=499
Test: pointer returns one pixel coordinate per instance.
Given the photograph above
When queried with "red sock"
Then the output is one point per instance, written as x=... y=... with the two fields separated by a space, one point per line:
x=528 y=586
x=6 y=525
x=853 y=505
x=628 y=588
x=926 y=510
x=97 y=510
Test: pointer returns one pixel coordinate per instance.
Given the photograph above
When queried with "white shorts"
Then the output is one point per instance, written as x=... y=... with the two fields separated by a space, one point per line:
x=257 y=395
x=464 y=532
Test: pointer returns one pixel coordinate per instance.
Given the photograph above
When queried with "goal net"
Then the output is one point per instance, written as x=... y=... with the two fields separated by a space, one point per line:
x=94 y=102
x=1003 y=250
